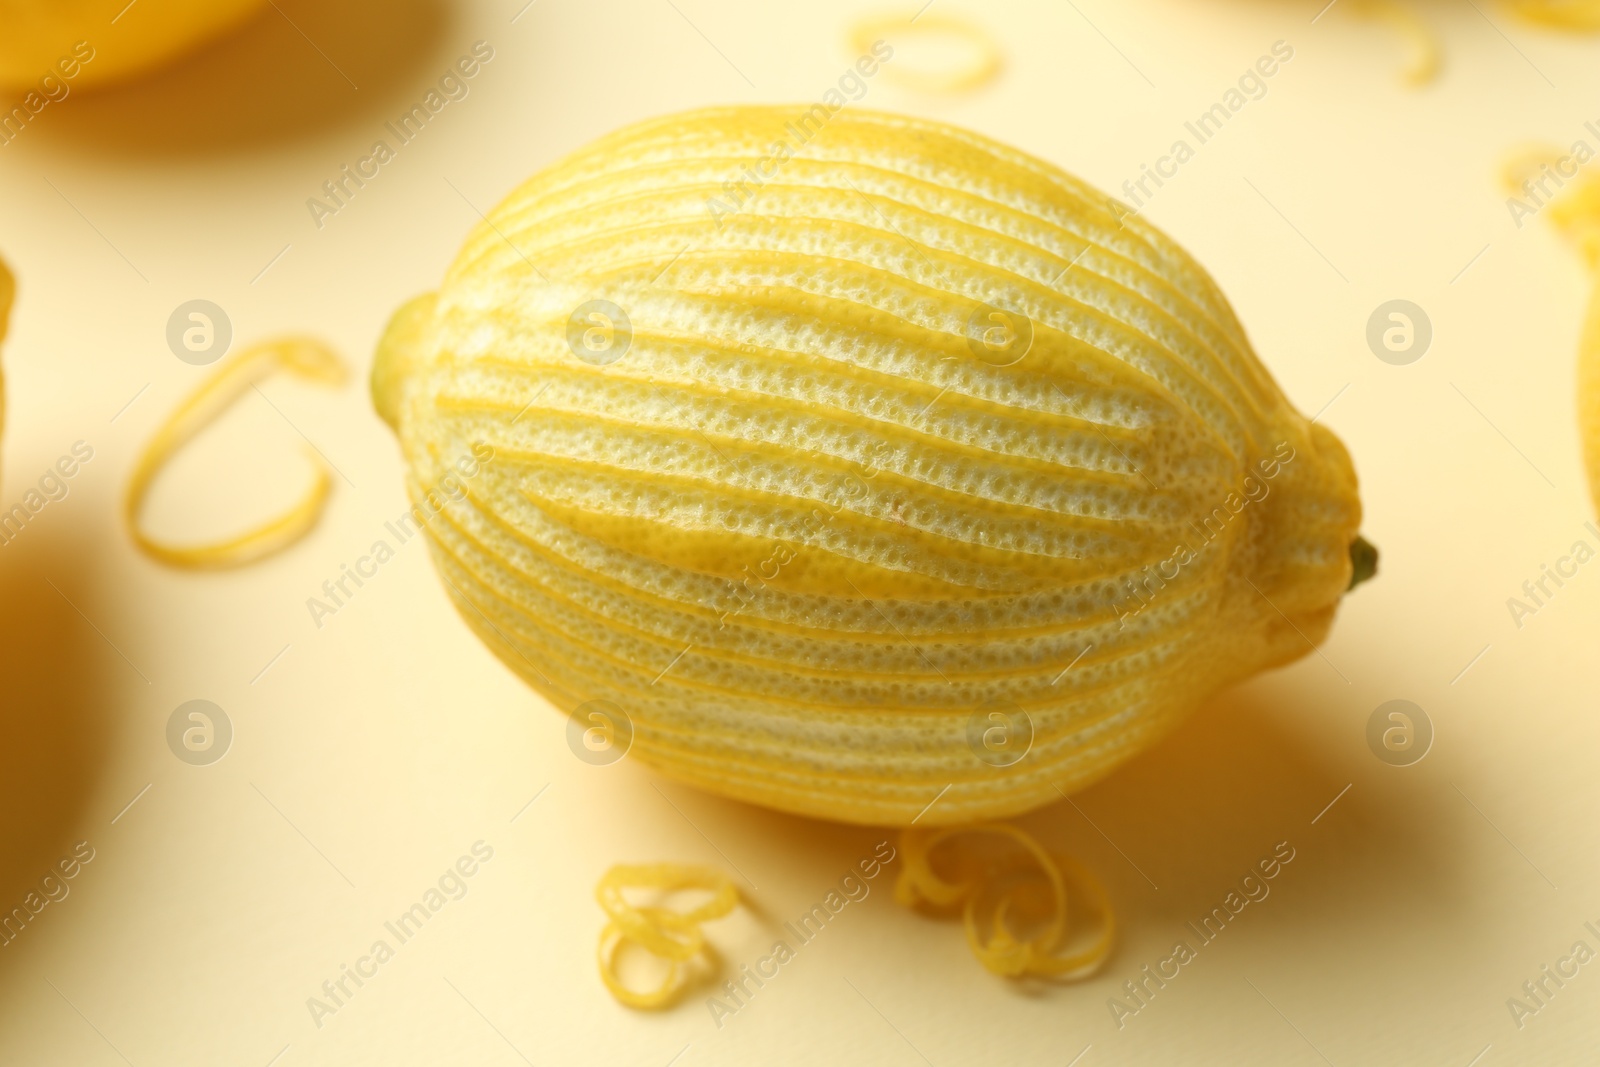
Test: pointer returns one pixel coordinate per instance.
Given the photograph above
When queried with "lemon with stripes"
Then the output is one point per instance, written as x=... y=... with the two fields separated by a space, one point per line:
x=875 y=471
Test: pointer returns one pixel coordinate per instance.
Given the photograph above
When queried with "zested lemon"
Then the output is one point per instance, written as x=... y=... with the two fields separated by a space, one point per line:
x=846 y=462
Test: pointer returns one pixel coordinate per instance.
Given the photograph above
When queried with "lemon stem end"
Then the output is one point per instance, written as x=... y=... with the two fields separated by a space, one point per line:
x=1363 y=562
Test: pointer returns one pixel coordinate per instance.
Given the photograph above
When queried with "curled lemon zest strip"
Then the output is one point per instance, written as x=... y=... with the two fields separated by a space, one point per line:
x=982 y=68
x=1575 y=213
x=301 y=357
x=1425 y=53
x=994 y=944
x=670 y=935
x=1575 y=209
x=1583 y=15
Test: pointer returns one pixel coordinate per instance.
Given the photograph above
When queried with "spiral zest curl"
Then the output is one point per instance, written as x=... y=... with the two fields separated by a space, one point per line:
x=667 y=934
x=1003 y=887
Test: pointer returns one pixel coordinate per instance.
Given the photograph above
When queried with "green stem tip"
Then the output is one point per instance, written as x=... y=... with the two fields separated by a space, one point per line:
x=1363 y=562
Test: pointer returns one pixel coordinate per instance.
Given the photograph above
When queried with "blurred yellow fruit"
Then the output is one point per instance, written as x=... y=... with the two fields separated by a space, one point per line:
x=1575 y=213
x=845 y=462
x=1580 y=15
x=1589 y=394
x=90 y=42
x=8 y=292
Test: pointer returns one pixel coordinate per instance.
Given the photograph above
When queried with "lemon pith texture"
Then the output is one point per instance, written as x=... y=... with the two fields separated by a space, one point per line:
x=881 y=430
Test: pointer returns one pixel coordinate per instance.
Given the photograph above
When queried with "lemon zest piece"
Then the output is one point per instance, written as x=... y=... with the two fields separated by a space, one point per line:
x=301 y=357
x=670 y=935
x=997 y=947
x=1582 y=16
x=1425 y=53
x=984 y=66
x=1575 y=213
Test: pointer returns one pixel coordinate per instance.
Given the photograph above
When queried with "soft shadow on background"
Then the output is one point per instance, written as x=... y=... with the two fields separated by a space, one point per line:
x=296 y=69
x=55 y=711
x=1206 y=802
x=1198 y=811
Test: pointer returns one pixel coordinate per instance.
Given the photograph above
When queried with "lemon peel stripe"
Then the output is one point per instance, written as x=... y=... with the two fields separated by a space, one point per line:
x=583 y=613
x=1107 y=306
x=300 y=357
x=1072 y=758
x=669 y=935
x=1123 y=238
x=548 y=635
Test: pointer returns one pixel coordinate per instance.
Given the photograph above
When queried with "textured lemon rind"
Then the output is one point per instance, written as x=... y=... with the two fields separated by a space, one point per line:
x=803 y=530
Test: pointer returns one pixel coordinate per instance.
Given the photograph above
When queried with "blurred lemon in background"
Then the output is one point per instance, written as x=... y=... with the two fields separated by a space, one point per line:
x=92 y=42
x=8 y=290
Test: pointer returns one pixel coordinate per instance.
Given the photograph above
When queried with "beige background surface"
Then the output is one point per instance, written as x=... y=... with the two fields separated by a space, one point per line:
x=378 y=749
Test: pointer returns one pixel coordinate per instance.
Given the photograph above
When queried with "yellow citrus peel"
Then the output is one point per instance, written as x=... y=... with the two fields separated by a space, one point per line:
x=991 y=892
x=303 y=358
x=1575 y=213
x=911 y=434
x=982 y=67
x=1582 y=16
x=674 y=936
